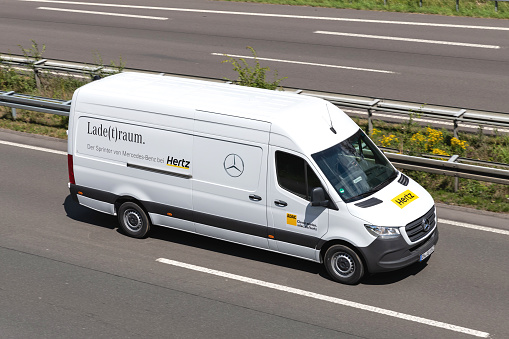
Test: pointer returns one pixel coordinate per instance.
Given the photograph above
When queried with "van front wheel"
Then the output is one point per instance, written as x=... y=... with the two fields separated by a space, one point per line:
x=133 y=220
x=343 y=264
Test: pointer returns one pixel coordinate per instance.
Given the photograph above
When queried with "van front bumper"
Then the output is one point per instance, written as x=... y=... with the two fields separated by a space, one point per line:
x=392 y=254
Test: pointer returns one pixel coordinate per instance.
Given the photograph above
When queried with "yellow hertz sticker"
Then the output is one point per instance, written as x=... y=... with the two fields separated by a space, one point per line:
x=404 y=198
x=291 y=219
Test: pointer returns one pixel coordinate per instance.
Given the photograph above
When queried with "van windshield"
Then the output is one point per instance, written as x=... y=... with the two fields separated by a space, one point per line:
x=355 y=167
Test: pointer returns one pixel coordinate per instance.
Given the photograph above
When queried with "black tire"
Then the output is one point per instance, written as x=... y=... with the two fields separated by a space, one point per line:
x=343 y=264
x=133 y=220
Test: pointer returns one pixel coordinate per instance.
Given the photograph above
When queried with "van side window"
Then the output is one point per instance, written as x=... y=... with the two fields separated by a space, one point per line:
x=295 y=175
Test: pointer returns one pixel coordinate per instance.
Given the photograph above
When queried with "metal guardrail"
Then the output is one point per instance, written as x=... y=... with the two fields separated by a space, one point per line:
x=55 y=66
x=453 y=167
x=456 y=115
x=371 y=105
x=33 y=103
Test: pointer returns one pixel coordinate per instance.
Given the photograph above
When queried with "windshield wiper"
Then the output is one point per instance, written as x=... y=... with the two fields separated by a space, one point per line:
x=362 y=195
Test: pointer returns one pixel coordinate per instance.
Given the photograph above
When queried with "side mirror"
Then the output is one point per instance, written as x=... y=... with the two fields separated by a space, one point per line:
x=318 y=197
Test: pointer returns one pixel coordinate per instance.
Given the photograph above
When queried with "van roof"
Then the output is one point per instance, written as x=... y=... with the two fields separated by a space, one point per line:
x=289 y=113
x=225 y=98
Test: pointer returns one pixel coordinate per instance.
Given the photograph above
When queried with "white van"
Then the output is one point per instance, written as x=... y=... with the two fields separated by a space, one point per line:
x=269 y=169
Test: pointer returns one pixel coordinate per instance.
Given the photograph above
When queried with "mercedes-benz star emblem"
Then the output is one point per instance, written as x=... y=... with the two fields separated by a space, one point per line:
x=425 y=224
x=233 y=165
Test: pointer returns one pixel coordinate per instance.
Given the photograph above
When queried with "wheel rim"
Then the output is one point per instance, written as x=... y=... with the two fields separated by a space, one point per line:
x=343 y=264
x=133 y=220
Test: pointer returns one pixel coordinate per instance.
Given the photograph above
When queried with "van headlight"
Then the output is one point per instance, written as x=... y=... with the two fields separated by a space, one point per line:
x=383 y=231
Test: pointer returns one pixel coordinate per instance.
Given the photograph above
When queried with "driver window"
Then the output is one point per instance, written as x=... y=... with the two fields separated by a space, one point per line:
x=295 y=175
x=366 y=151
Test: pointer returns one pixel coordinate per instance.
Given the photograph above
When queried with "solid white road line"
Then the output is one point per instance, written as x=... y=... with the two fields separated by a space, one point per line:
x=326 y=298
x=450 y=43
x=273 y=15
x=474 y=227
x=42 y=149
x=307 y=63
x=102 y=13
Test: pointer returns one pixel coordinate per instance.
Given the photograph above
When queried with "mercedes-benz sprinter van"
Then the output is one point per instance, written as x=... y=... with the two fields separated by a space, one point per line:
x=270 y=169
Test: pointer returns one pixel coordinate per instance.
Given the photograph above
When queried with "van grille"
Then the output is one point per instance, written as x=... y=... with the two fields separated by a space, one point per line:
x=416 y=229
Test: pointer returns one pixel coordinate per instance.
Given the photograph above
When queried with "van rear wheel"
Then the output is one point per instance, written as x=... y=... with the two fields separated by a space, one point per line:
x=133 y=220
x=343 y=264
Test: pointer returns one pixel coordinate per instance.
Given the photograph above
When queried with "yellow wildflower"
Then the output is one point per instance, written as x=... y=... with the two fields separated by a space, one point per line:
x=418 y=137
x=434 y=137
x=438 y=151
x=388 y=140
x=457 y=143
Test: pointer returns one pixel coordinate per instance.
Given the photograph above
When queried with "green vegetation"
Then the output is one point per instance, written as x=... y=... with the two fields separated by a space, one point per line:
x=412 y=139
x=472 y=8
x=50 y=87
x=252 y=76
x=44 y=84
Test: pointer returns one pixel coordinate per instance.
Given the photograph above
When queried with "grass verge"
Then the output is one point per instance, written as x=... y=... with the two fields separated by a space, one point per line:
x=50 y=87
x=470 y=8
x=412 y=139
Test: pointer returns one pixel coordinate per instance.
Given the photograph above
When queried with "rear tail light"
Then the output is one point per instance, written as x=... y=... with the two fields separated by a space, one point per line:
x=71 y=169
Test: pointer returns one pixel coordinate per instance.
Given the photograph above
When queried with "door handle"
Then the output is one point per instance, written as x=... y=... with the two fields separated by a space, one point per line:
x=255 y=197
x=280 y=203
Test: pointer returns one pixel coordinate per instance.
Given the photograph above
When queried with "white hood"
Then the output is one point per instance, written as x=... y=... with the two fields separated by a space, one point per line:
x=400 y=205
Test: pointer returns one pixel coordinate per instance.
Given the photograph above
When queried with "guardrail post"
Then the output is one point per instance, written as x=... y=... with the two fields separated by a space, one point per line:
x=370 y=121
x=456 y=123
x=37 y=79
x=457 y=5
x=456 y=179
x=13 y=109
x=370 y=116
x=36 y=73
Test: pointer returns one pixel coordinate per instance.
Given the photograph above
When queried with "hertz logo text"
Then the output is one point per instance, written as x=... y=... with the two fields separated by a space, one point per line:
x=180 y=163
x=404 y=198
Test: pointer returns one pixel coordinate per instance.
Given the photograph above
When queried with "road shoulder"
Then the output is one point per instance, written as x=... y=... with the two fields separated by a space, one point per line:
x=33 y=139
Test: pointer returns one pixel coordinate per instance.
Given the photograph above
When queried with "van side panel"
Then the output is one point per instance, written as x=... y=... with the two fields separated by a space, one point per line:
x=229 y=183
x=114 y=160
x=134 y=145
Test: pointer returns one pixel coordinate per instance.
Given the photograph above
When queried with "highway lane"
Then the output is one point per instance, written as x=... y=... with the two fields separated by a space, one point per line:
x=470 y=75
x=65 y=271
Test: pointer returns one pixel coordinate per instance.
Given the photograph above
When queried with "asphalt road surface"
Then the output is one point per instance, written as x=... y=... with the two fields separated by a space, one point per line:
x=67 y=272
x=462 y=62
